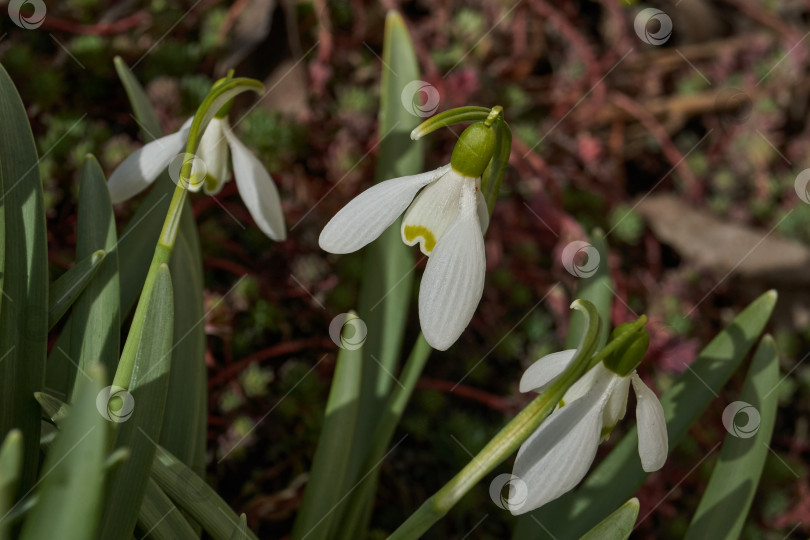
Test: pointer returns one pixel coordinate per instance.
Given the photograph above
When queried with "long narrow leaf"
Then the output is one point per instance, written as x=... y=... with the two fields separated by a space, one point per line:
x=328 y=482
x=69 y=286
x=620 y=474
x=387 y=278
x=186 y=418
x=140 y=431
x=727 y=499
x=159 y=518
x=618 y=525
x=96 y=324
x=11 y=456
x=69 y=497
x=144 y=112
x=192 y=494
x=24 y=316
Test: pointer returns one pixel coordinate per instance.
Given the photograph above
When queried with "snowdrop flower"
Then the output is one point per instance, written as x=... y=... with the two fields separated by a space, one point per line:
x=254 y=183
x=447 y=219
x=556 y=457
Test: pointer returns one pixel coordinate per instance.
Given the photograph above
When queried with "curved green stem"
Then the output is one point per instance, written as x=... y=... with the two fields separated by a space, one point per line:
x=222 y=92
x=459 y=115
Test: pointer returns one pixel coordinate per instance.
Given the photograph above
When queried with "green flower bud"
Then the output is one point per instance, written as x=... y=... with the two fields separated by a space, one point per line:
x=627 y=357
x=474 y=150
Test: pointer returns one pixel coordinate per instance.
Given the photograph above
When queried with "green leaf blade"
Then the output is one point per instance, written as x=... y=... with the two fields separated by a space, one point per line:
x=727 y=498
x=65 y=290
x=618 y=525
x=70 y=494
x=149 y=385
x=24 y=316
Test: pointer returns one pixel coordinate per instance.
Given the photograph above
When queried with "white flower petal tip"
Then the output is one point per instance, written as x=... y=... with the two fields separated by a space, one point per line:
x=557 y=456
x=453 y=282
x=257 y=189
x=213 y=153
x=366 y=216
x=546 y=370
x=142 y=167
x=653 y=440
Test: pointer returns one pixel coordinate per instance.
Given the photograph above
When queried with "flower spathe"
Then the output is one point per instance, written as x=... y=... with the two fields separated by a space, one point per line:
x=256 y=187
x=447 y=219
x=556 y=457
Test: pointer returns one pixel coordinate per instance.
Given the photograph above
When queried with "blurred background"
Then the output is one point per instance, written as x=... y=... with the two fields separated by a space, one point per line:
x=681 y=132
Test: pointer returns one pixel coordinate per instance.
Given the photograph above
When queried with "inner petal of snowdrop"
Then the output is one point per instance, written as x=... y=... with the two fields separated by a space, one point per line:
x=433 y=211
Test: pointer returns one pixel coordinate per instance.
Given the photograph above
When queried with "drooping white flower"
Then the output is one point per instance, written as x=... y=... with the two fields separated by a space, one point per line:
x=556 y=457
x=447 y=219
x=256 y=187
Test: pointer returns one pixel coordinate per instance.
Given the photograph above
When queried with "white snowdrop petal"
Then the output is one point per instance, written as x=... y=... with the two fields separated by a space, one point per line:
x=433 y=212
x=143 y=166
x=616 y=405
x=370 y=213
x=596 y=375
x=546 y=370
x=256 y=187
x=453 y=281
x=213 y=152
x=556 y=457
x=483 y=211
x=653 y=441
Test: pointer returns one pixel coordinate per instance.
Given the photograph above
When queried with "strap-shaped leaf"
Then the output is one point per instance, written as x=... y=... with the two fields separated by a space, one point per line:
x=727 y=499
x=186 y=418
x=159 y=518
x=328 y=482
x=192 y=494
x=11 y=458
x=144 y=112
x=240 y=531
x=385 y=292
x=96 y=324
x=24 y=315
x=618 y=525
x=69 y=286
x=70 y=493
x=140 y=431
x=620 y=474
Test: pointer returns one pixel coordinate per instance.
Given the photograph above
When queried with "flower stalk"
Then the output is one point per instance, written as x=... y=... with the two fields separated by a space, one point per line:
x=220 y=95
